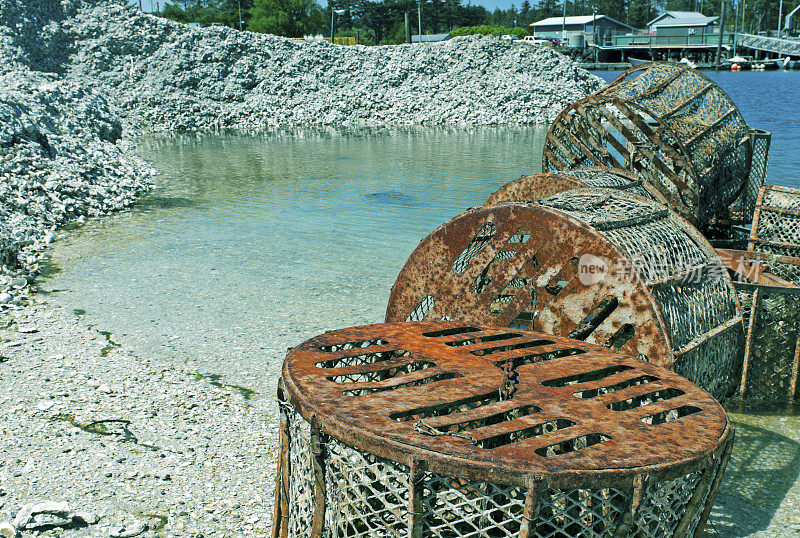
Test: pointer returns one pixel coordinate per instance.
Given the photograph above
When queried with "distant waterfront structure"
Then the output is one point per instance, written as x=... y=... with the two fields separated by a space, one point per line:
x=577 y=28
x=429 y=38
x=681 y=23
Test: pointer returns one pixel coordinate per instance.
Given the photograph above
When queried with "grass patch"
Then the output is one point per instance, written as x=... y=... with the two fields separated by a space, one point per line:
x=214 y=379
x=110 y=343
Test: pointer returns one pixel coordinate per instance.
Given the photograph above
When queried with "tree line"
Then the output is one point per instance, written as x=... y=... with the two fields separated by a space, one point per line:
x=383 y=21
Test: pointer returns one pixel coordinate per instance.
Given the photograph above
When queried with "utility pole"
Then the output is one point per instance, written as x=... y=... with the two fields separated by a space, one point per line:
x=564 y=22
x=780 y=13
x=408 y=30
x=736 y=28
x=240 y=14
x=721 y=33
x=334 y=12
x=594 y=30
x=744 y=10
x=419 y=18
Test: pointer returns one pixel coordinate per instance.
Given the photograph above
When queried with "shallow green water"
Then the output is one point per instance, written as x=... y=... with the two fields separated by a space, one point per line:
x=251 y=245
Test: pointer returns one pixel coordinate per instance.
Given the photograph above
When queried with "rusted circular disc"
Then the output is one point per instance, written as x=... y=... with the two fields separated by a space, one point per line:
x=538 y=186
x=598 y=265
x=501 y=405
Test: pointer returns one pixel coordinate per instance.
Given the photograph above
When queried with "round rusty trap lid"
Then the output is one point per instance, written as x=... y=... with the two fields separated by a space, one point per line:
x=672 y=125
x=537 y=186
x=500 y=405
x=597 y=265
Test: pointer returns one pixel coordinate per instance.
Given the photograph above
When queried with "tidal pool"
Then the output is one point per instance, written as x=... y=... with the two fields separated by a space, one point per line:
x=250 y=245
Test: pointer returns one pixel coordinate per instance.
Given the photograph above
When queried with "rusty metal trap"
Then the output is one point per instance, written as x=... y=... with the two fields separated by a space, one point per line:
x=537 y=186
x=672 y=125
x=776 y=224
x=598 y=265
x=437 y=429
x=770 y=305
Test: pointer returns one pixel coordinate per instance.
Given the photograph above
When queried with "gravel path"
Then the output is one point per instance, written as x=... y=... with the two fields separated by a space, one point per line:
x=135 y=443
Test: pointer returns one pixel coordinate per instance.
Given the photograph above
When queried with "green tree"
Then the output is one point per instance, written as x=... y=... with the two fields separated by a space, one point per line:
x=548 y=8
x=525 y=14
x=290 y=18
x=639 y=13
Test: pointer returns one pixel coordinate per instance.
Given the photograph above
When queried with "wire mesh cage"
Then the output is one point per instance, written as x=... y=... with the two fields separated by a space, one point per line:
x=672 y=125
x=770 y=304
x=743 y=208
x=538 y=186
x=776 y=223
x=599 y=265
x=437 y=429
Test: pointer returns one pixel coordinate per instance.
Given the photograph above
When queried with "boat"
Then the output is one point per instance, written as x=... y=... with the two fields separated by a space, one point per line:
x=636 y=61
x=743 y=63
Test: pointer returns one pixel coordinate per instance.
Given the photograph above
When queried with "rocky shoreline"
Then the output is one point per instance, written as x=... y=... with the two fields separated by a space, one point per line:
x=94 y=440
x=62 y=160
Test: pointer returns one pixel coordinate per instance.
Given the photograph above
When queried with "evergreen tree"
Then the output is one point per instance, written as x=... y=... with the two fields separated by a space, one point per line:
x=290 y=18
x=525 y=14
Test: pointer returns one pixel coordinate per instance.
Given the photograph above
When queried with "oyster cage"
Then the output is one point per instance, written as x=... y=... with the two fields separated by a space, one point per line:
x=537 y=186
x=592 y=264
x=743 y=208
x=776 y=224
x=769 y=307
x=672 y=125
x=445 y=430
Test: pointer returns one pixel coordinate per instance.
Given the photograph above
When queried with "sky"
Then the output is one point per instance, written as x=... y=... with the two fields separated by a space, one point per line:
x=150 y=5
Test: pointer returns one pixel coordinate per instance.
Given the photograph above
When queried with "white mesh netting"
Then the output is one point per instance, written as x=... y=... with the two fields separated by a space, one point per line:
x=366 y=495
x=301 y=486
x=369 y=497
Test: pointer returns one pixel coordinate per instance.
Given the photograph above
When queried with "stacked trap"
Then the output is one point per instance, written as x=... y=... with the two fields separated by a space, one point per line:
x=776 y=224
x=538 y=186
x=674 y=127
x=598 y=265
x=448 y=430
x=770 y=305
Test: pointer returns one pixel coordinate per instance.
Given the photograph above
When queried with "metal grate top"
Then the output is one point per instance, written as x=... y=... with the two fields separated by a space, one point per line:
x=499 y=405
x=776 y=224
x=538 y=186
x=672 y=125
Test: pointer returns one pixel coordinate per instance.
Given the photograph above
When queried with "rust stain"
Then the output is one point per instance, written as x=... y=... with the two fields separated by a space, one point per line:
x=524 y=274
